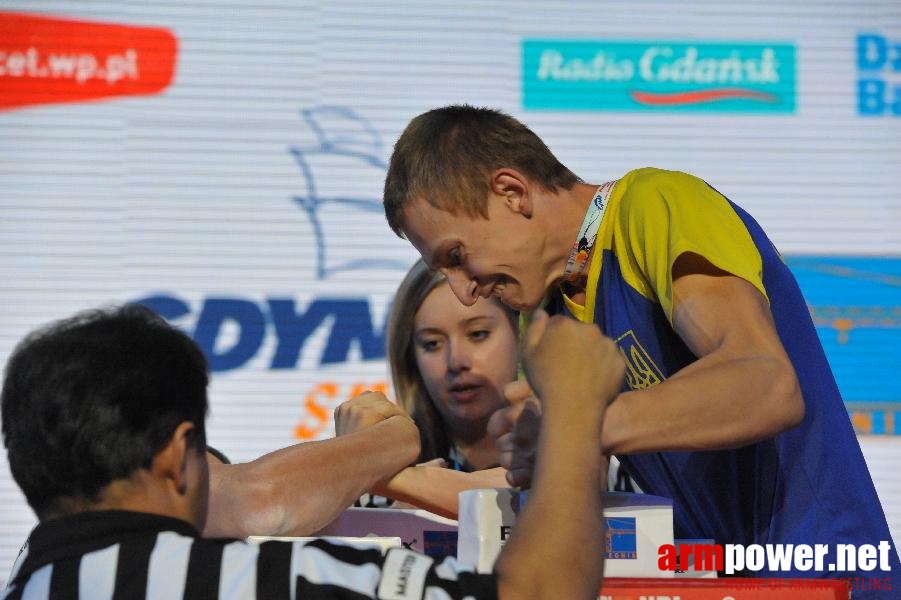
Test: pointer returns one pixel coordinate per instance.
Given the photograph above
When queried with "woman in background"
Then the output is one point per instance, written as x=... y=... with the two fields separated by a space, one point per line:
x=449 y=364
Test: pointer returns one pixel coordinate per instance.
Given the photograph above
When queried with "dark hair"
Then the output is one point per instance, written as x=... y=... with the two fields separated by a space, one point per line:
x=446 y=156
x=91 y=399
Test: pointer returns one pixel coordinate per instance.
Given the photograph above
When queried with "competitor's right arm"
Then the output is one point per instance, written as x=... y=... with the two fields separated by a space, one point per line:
x=554 y=549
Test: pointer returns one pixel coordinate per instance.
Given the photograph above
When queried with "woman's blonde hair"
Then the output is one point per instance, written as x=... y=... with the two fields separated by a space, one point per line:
x=409 y=388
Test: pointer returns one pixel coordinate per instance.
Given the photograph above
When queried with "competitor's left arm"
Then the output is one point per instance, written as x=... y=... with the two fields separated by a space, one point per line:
x=743 y=387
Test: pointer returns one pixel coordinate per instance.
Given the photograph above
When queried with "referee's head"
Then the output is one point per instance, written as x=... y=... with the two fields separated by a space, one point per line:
x=101 y=408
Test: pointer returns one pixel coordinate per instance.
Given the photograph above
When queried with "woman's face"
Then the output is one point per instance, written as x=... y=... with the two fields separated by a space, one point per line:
x=465 y=354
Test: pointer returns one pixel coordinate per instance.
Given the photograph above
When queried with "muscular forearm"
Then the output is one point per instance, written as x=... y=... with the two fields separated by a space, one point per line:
x=436 y=489
x=564 y=512
x=556 y=548
x=299 y=489
x=710 y=405
x=741 y=390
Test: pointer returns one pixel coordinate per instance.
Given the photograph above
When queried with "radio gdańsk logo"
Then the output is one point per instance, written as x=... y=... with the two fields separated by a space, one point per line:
x=879 y=75
x=658 y=76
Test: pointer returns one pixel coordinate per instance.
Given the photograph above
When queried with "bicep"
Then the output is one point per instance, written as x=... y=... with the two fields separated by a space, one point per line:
x=715 y=312
x=727 y=323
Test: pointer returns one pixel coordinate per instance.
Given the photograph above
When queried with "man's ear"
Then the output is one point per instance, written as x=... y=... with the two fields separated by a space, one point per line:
x=514 y=188
x=171 y=462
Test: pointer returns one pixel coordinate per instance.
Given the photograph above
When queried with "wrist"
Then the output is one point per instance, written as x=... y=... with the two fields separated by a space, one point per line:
x=573 y=415
x=399 y=437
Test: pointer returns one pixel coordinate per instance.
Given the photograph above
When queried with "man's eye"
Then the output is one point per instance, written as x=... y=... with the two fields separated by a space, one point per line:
x=454 y=257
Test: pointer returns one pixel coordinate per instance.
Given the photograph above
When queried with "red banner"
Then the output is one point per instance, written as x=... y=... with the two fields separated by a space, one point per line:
x=735 y=589
x=46 y=60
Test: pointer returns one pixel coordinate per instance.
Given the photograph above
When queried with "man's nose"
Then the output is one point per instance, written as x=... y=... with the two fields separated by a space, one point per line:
x=465 y=289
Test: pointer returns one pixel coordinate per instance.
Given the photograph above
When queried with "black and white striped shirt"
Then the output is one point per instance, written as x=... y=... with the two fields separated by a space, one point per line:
x=121 y=555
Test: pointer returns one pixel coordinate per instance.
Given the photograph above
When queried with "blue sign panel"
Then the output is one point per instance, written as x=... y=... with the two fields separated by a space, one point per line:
x=855 y=303
x=658 y=76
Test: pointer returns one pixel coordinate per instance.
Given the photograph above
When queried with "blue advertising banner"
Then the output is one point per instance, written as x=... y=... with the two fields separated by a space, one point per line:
x=855 y=303
x=661 y=76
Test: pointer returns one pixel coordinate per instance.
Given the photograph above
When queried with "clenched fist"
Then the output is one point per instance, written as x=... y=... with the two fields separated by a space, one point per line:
x=366 y=410
x=563 y=359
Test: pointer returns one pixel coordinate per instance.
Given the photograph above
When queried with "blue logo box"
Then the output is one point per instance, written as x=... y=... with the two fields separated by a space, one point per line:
x=658 y=76
x=621 y=538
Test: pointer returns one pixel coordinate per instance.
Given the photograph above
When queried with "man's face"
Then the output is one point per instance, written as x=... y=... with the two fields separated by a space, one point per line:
x=502 y=256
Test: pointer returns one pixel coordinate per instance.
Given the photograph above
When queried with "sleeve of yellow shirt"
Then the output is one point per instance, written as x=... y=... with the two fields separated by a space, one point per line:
x=663 y=214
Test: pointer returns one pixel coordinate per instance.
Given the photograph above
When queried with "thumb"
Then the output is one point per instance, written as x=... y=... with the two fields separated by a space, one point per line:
x=535 y=331
x=521 y=398
x=517 y=391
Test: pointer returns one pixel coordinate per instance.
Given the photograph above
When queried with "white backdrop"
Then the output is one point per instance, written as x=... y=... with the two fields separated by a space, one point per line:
x=244 y=194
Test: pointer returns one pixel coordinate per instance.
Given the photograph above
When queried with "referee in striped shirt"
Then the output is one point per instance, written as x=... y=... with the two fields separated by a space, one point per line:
x=103 y=421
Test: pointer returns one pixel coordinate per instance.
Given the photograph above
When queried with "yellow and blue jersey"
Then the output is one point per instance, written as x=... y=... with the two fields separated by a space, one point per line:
x=807 y=485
